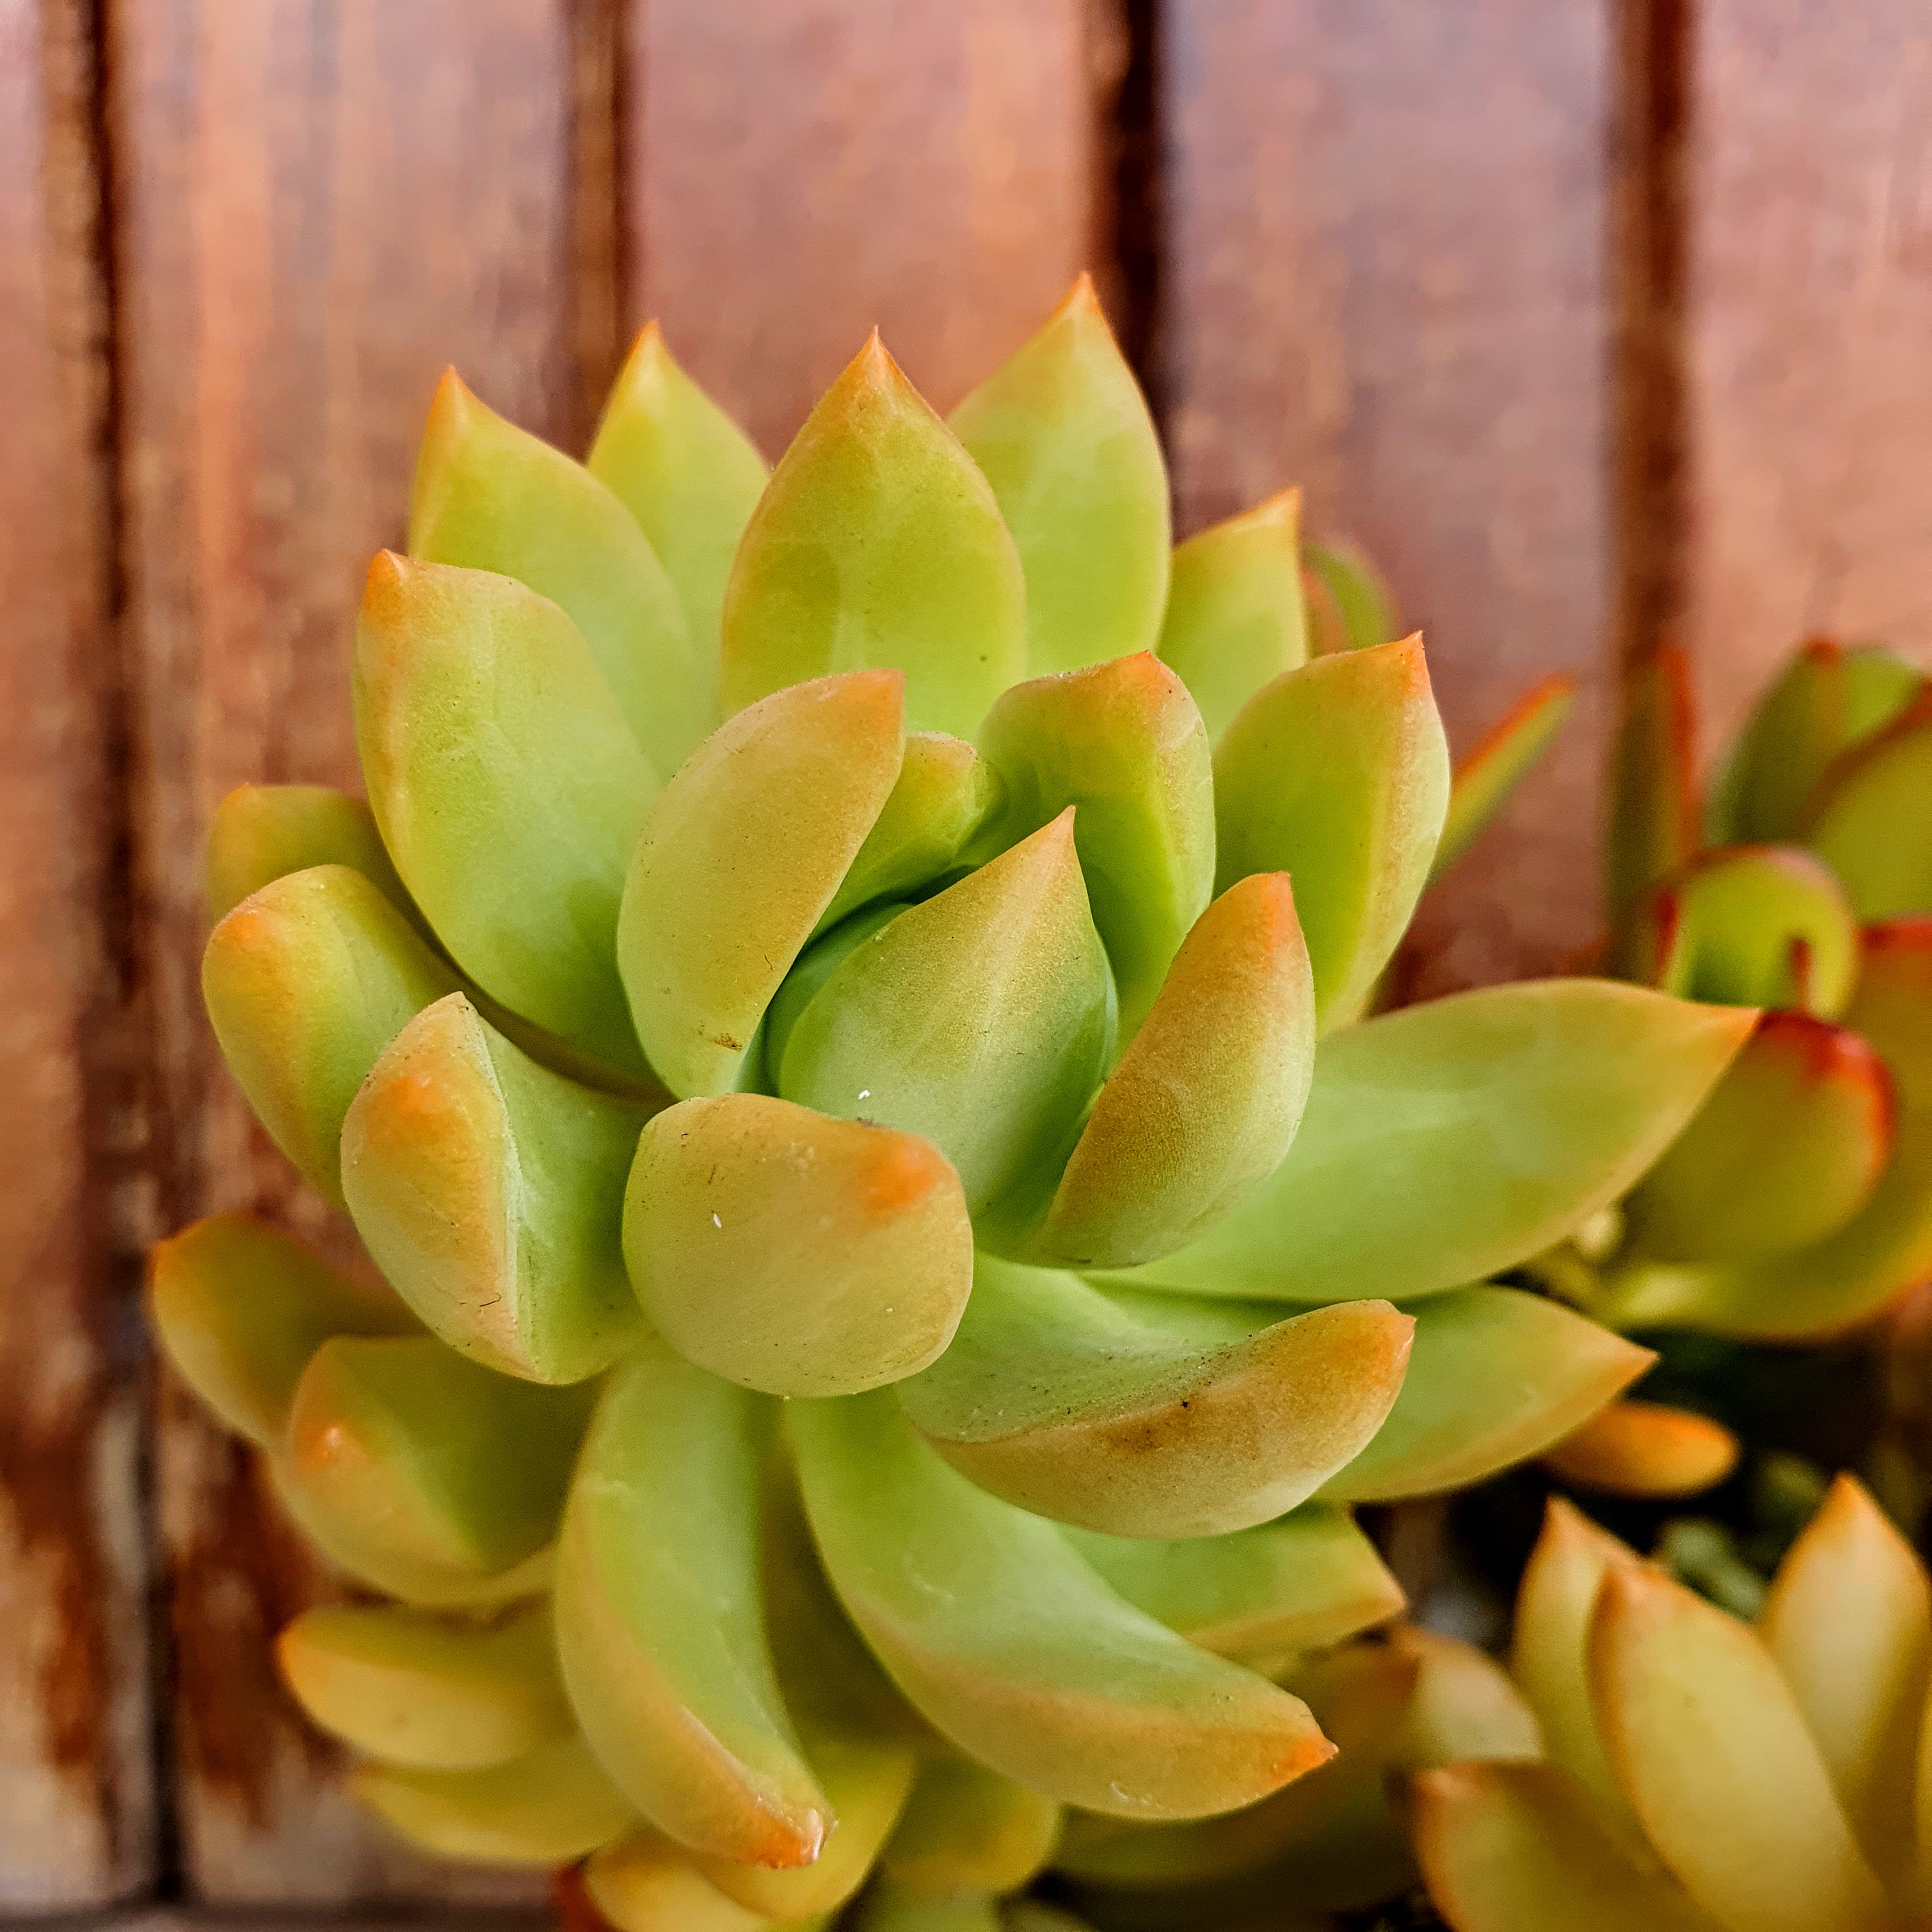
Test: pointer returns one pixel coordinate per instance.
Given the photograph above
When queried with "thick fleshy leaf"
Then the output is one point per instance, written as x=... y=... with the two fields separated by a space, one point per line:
x=261 y=833
x=1549 y=1659
x=740 y=858
x=1012 y=1646
x=488 y=495
x=1645 y=1449
x=968 y=1829
x=1788 y=1147
x=945 y=793
x=866 y=1782
x=440 y=1477
x=1746 y=925
x=1495 y=1376
x=1302 y=1583
x=1520 y=1848
x=1449 y=1141
x=1848 y=1620
x=1825 y=699
x=1485 y=778
x=645 y=1883
x=980 y=1018
x=489 y=1192
x=553 y=1805
x=1062 y=432
x=438 y=1692
x=879 y=543
x=1338 y=774
x=661 y=1621
x=1122 y=744
x=792 y=1252
x=1653 y=828
x=1351 y=606
x=305 y=983
x=887 y=1908
x=507 y=786
x=1886 y=1246
x=1359 y=1695
x=1236 y=616
x=1061 y=1400
x=691 y=477
x=1207 y=1098
x=240 y=1307
x=1711 y=1746
x=1868 y=821
x=1464 y=1706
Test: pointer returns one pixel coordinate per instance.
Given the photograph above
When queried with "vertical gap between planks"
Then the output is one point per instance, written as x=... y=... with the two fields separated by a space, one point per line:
x=1647 y=257
x=1134 y=205
x=595 y=273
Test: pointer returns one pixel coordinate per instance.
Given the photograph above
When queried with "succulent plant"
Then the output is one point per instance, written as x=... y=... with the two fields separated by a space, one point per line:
x=1797 y=1202
x=839 y=1028
x=1702 y=1773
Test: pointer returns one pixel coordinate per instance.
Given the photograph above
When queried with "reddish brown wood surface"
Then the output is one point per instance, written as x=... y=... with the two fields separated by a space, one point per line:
x=1386 y=280
x=800 y=170
x=76 y=1810
x=1806 y=178
x=322 y=204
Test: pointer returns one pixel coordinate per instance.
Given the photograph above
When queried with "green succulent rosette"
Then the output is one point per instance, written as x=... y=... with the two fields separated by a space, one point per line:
x=839 y=1028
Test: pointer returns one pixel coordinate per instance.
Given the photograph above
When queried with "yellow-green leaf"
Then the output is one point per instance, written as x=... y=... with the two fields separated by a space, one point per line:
x=1868 y=819
x=1653 y=828
x=968 y=1829
x=260 y=833
x=1486 y=777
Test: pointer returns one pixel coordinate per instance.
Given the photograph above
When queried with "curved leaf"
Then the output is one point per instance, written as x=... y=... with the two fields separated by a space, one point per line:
x=1450 y=1141
x=261 y=833
x=489 y=1191
x=1485 y=779
x=878 y=543
x=1746 y=925
x=552 y=1806
x=1848 y=1622
x=1645 y=1449
x=1236 y=616
x=1207 y=1098
x=305 y=983
x=438 y=1479
x=1495 y=1376
x=1464 y=1704
x=488 y=495
x=844 y=1249
x=435 y=1693
x=1057 y=1398
x=1338 y=774
x=1711 y=1749
x=945 y=795
x=1014 y=1648
x=1789 y=1146
x=1867 y=819
x=1351 y=607
x=507 y=787
x=738 y=860
x=1122 y=744
x=978 y=1019
x=643 y=1882
x=1303 y=1581
x=968 y=1829
x=1518 y=1848
x=1063 y=433
x=691 y=477
x=240 y=1307
x=660 y=1621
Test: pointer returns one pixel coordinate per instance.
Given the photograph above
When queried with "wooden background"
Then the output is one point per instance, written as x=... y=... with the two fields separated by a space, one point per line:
x=1594 y=321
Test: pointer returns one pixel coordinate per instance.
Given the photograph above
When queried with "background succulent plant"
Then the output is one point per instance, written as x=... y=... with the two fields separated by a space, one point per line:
x=838 y=1027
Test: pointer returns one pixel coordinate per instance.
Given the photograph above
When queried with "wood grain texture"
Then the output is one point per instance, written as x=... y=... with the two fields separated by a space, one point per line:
x=1806 y=179
x=800 y=170
x=324 y=202
x=77 y=1814
x=1386 y=280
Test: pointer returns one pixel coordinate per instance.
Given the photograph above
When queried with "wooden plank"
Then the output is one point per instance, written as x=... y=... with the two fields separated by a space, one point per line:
x=1806 y=185
x=77 y=1814
x=322 y=202
x=1385 y=280
x=802 y=170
